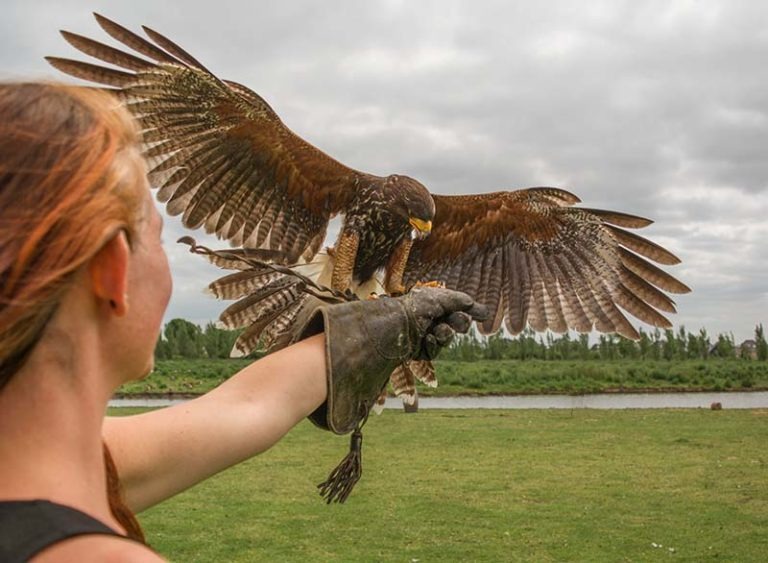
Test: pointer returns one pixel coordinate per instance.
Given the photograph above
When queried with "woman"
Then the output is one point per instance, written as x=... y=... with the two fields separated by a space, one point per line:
x=84 y=283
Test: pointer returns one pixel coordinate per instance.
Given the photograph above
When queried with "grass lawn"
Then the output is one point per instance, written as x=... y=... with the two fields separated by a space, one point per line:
x=507 y=376
x=548 y=485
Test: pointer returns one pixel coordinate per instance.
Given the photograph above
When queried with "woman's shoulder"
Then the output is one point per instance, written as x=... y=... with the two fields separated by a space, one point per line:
x=42 y=530
x=96 y=547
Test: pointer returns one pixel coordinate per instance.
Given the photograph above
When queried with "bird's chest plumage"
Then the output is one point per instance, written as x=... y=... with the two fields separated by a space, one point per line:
x=380 y=232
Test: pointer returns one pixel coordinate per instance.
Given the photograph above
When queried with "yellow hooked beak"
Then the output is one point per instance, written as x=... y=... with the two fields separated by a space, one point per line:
x=419 y=225
x=424 y=227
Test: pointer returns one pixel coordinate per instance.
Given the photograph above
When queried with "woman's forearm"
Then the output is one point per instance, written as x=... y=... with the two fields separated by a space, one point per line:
x=163 y=452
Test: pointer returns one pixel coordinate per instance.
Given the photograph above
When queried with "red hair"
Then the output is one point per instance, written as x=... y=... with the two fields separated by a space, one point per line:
x=64 y=188
x=70 y=178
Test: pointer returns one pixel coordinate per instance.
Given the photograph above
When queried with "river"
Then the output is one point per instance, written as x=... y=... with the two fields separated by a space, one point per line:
x=728 y=400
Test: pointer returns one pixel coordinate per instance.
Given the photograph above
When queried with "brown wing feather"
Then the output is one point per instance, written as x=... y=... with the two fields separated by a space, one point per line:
x=216 y=147
x=533 y=259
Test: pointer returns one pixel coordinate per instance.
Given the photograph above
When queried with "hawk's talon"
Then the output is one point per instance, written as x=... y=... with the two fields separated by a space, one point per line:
x=432 y=283
x=397 y=291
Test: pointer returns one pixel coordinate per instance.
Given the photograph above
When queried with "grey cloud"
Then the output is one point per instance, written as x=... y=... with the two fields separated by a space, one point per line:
x=654 y=108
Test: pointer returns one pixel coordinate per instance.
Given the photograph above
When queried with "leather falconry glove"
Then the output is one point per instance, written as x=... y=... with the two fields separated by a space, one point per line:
x=365 y=341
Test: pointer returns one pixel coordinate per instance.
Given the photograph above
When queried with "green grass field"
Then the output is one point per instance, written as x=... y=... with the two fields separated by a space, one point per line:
x=583 y=485
x=508 y=376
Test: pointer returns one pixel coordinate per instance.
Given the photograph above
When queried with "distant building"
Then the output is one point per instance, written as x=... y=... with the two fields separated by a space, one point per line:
x=747 y=349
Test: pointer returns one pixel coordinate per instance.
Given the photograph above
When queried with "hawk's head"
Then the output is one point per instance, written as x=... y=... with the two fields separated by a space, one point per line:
x=413 y=202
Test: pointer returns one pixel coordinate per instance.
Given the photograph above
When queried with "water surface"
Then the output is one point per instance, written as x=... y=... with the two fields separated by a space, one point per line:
x=734 y=400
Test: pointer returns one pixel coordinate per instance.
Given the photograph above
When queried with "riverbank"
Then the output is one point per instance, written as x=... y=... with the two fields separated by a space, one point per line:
x=185 y=378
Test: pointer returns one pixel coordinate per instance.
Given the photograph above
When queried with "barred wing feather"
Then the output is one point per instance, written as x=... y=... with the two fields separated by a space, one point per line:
x=534 y=259
x=219 y=154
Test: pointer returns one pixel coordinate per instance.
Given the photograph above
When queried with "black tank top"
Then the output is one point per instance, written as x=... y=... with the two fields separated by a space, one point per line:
x=29 y=526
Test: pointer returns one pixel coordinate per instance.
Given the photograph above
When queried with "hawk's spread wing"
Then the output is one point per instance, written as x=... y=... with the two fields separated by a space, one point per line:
x=532 y=258
x=218 y=152
x=273 y=303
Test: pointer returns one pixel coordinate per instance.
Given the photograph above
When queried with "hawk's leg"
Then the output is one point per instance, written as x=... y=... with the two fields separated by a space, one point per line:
x=345 y=254
x=393 y=282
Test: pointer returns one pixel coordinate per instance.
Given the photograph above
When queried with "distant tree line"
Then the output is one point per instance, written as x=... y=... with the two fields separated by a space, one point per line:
x=654 y=345
x=183 y=339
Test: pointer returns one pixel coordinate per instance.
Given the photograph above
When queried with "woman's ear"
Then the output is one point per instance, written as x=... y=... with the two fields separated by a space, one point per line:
x=109 y=274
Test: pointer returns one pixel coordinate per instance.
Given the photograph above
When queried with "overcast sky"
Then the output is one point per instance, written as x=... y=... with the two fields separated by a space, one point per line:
x=654 y=108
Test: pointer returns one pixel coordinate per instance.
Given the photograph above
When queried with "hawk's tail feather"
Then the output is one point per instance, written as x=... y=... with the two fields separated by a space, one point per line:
x=378 y=406
x=241 y=284
x=260 y=305
x=404 y=383
x=424 y=371
x=273 y=302
x=271 y=330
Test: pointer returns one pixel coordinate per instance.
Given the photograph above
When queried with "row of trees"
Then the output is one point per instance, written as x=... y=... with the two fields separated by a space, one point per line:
x=654 y=345
x=183 y=339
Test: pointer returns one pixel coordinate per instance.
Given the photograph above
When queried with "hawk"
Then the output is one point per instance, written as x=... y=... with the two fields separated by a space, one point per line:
x=223 y=160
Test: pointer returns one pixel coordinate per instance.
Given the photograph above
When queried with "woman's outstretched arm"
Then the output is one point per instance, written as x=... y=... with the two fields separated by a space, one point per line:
x=160 y=453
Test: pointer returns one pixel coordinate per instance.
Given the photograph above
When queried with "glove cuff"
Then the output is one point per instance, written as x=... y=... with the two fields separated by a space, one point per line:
x=364 y=342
